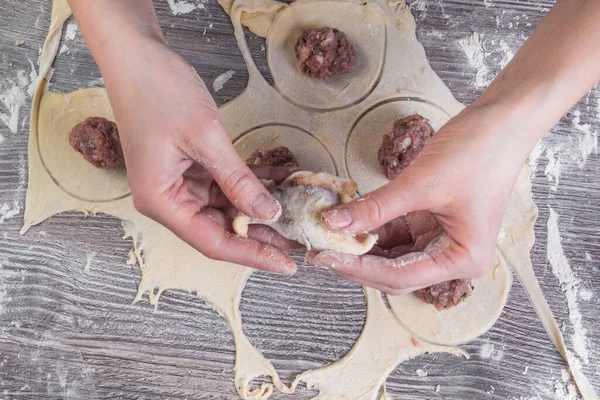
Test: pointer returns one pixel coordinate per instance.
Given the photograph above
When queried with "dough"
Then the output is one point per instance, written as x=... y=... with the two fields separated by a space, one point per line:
x=367 y=136
x=168 y=263
x=58 y=114
x=463 y=323
x=337 y=91
x=304 y=196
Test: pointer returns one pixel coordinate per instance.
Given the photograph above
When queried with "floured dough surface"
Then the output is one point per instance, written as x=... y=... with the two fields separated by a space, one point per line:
x=310 y=153
x=367 y=135
x=58 y=114
x=255 y=120
x=337 y=91
x=462 y=323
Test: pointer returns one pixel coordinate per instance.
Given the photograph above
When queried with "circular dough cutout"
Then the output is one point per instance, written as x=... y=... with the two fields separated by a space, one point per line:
x=310 y=153
x=58 y=115
x=365 y=27
x=462 y=323
x=367 y=134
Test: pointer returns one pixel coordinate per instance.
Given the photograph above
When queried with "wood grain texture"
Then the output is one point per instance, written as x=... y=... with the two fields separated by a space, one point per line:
x=65 y=333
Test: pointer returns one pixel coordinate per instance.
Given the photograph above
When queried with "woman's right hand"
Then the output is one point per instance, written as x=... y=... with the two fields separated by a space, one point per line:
x=454 y=193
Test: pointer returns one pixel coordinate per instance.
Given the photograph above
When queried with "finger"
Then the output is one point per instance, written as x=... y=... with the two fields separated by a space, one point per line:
x=391 y=201
x=443 y=261
x=245 y=191
x=267 y=235
x=208 y=236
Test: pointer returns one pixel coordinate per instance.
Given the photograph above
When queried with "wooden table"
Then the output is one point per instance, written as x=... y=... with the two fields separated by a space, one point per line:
x=65 y=333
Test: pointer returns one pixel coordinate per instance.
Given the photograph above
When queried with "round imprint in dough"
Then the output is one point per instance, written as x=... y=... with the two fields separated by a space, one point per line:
x=58 y=114
x=367 y=135
x=462 y=323
x=310 y=152
x=337 y=91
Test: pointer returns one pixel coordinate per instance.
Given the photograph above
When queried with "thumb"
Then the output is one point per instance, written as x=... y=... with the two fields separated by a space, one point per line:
x=397 y=198
x=237 y=181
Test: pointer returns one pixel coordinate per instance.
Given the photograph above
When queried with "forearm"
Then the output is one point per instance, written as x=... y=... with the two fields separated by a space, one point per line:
x=555 y=67
x=116 y=31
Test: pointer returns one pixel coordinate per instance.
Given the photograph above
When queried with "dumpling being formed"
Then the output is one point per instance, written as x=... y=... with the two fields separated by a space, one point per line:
x=304 y=196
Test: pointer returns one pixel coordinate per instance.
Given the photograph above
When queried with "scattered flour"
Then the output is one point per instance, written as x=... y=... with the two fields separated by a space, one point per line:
x=72 y=29
x=421 y=373
x=13 y=95
x=586 y=294
x=184 y=7
x=588 y=142
x=437 y=388
x=569 y=285
x=471 y=45
x=221 y=80
x=486 y=350
x=507 y=54
x=7 y=211
x=553 y=168
x=96 y=82
x=89 y=257
x=64 y=48
x=588 y=256
x=534 y=157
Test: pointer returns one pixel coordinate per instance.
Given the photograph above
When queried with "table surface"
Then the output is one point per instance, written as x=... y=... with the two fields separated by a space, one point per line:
x=65 y=333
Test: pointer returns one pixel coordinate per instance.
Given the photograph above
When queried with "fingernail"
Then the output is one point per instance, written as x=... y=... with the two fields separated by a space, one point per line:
x=338 y=218
x=266 y=207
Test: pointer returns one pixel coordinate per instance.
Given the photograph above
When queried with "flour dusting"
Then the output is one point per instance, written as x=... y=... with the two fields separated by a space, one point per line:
x=586 y=294
x=471 y=45
x=221 y=80
x=89 y=257
x=8 y=211
x=184 y=7
x=588 y=141
x=421 y=373
x=64 y=48
x=72 y=29
x=96 y=82
x=569 y=285
x=553 y=168
x=13 y=96
x=535 y=156
x=486 y=350
x=507 y=54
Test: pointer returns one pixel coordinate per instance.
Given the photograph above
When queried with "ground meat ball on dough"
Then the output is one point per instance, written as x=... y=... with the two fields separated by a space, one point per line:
x=278 y=157
x=325 y=52
x=403 y=144
x=446 y=294
x=97 y=139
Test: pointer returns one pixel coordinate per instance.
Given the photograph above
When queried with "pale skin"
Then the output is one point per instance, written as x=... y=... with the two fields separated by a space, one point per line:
x=185 y=173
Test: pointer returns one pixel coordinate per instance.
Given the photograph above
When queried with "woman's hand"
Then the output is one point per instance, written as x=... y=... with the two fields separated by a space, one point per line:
x=463 y=180
x=182 y=167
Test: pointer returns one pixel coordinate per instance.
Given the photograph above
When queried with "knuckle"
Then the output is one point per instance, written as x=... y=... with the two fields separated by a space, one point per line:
x=239 y=182
x=374 y=209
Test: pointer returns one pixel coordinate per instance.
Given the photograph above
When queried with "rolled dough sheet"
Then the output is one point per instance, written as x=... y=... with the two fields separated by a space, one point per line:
x=168 y=263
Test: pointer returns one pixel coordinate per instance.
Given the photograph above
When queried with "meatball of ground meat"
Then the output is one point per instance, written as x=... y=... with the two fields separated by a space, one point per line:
x=403 y=144
x=446 y=294
x=325 y=52
x=97 y=139
x=277 y=157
